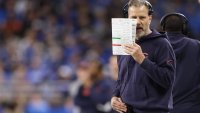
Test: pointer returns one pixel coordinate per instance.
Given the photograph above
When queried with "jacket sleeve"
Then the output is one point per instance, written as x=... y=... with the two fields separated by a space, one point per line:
x=162 y=71
x=116 y=90
x=117 y=85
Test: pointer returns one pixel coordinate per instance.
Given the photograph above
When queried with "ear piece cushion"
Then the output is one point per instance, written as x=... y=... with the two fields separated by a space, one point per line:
x=182 y=17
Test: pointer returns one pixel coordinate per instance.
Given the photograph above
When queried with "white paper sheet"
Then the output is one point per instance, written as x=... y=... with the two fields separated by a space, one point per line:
x=123 y=32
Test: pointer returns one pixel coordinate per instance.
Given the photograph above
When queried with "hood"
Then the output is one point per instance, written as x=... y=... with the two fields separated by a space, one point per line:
x=178 y=42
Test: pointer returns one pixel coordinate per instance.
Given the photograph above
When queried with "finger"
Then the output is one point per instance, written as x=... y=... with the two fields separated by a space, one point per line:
x=129 y=49
x=128 y=52
x=120 y=111
x=136 y=46
x=117 y=104
x=120 y=100
x=132 y=46
x=134 y=49
x=121 y=107
x=128 y=45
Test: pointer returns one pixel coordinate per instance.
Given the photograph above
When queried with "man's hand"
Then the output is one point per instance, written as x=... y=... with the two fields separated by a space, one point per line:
x=118 y=105
x=135 y=51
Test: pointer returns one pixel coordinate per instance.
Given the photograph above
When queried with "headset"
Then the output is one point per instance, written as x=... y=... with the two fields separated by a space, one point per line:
x=148 y=4
x=181 y=16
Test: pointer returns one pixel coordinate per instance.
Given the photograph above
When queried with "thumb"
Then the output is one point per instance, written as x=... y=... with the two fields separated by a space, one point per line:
x=120 y=99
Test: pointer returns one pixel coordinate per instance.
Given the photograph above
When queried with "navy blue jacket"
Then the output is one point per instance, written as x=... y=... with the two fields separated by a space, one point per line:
x=147 y=87
x=187 y=83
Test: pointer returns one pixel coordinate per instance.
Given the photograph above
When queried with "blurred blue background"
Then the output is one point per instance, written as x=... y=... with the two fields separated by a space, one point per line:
x=47 y=48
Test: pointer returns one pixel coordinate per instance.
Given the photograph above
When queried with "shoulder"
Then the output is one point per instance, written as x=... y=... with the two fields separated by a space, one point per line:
x=161 y=42
x=162 y=46
x=159 y=38
x=191 y=41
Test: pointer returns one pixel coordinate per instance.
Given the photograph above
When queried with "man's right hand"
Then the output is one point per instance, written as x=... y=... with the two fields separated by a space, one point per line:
x=118 y=105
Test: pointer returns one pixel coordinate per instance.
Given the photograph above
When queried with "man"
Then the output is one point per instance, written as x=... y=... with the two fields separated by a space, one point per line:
x=186 y=91
x=146 y=75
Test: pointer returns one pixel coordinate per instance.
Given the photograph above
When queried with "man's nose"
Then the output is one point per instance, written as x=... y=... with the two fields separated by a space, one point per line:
x=138 y=21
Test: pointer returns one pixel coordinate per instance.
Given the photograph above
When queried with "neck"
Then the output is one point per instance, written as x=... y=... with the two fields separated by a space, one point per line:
x=149 y=31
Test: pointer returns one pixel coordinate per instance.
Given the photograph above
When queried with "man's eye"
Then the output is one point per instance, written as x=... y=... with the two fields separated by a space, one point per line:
x=134 y=17
x=142 y=17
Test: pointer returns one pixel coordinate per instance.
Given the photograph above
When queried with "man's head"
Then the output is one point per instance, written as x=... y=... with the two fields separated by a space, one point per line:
x=174 y=22
x=142 y=11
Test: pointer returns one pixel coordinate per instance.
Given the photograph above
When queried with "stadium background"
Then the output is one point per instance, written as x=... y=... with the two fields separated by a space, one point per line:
x=42 y=43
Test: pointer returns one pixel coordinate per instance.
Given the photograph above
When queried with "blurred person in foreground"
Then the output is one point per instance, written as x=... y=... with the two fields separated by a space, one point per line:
x=94 y=93
x=186 y=91
x=146 y=75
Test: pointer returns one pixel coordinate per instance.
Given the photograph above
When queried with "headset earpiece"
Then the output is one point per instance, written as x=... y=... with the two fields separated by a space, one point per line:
x=125 y=10
x=181 y=16
x=150 y=7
